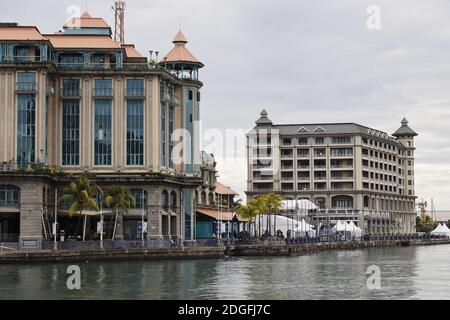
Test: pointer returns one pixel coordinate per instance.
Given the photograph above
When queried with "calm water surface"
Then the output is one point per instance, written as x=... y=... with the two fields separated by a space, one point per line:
x=406 y=273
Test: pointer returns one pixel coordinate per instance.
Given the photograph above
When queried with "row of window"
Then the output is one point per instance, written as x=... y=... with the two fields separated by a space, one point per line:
x=379 y=165
x=379 y=144
x=102 y=133
x=317 y=140
x=318 y=152
x=379 y=154
x=103 y=88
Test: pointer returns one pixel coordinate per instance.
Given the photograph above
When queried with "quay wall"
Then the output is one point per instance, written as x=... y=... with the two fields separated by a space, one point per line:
x=300 y=249
x=217 y=252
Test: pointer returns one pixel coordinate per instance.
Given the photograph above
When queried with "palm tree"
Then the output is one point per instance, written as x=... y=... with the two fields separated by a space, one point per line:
x=274 y=205
x=260 y=205
x=248 y=212
x=119 y=198
x=80 y=194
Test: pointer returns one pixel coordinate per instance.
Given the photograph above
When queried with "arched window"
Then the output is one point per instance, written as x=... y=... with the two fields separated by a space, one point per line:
x=203 y=197
x=173 y=201
x=321 y=202
x=342 y=202
x=141 y=198
x=165 y=200
x=197 y=197
x=211 y=198
x=366 y=201
x=9 y=196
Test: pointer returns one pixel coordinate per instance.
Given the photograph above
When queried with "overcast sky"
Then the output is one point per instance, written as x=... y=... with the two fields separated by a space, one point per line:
x=304 y=61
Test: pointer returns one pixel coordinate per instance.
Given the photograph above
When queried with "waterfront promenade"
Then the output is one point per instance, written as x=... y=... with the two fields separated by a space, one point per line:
x=274 y=248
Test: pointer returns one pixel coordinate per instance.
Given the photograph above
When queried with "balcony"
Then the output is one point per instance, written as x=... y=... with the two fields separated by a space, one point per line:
x=341 y=166
x=287 y=155
x=350 y=178
x=263 y=178
x=26 y=87
x=70 y=93
x=342 y=155
x=133 y=93
x=103 y=93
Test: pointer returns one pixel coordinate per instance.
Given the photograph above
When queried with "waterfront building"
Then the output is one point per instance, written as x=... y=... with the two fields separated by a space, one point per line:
x=350 y=171
x=214 y=203
x=77 y=102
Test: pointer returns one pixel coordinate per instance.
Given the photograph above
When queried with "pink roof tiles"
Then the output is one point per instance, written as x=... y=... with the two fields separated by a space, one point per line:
x=180 y=53
x=86 y=21
x=65 y=41
x=20 y=33
x=131 y=51
x=223 y=189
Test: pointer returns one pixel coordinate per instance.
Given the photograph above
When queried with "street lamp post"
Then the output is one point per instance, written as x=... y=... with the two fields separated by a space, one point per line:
x=101 y=225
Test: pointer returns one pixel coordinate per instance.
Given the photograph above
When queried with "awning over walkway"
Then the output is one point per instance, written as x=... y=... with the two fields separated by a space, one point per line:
x=216 y=214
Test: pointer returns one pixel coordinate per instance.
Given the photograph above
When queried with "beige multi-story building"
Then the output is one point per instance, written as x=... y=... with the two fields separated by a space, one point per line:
x=78 y=102
x=348 y=170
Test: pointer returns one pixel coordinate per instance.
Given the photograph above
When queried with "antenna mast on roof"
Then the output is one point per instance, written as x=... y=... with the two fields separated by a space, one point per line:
x=119 y=18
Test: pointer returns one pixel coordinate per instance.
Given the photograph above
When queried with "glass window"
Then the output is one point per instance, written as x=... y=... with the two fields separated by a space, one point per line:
x=71 y=133
x=341 y=152
x=135 y=132
x=71 y=60
x=103 y=87
x=26 y=128
x=26 y=81
x=22 y=54
x=9 y=196
x=141 y=198
x=102 y=133
x=71 y=87
x=135 y=87
x=171 y=130
x=163 y=136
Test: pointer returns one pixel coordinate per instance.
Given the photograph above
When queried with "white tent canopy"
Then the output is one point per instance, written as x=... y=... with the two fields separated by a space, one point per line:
x=284 y=224
x=301 y=204
x=343 y=226
x=441 y=230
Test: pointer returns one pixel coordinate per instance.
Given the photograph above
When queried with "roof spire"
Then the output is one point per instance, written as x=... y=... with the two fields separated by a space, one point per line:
x=264 y=119
x=179 y=37
x=405 y=130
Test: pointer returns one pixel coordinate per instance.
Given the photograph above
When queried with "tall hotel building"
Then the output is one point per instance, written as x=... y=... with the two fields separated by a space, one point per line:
x=78 y=102
x=346 y=169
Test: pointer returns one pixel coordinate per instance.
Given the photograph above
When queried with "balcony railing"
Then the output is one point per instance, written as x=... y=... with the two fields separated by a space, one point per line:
x=342 y=155
x=70 y=93
x=26 y=87
x=134 y=93
x=263 y=178
x=103 y=92
x=342 y=178
x=342 y=166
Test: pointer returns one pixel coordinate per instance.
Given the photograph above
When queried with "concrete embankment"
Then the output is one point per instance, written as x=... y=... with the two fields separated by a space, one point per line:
x=201 y=252
x=305 y=248
x=111 y=255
